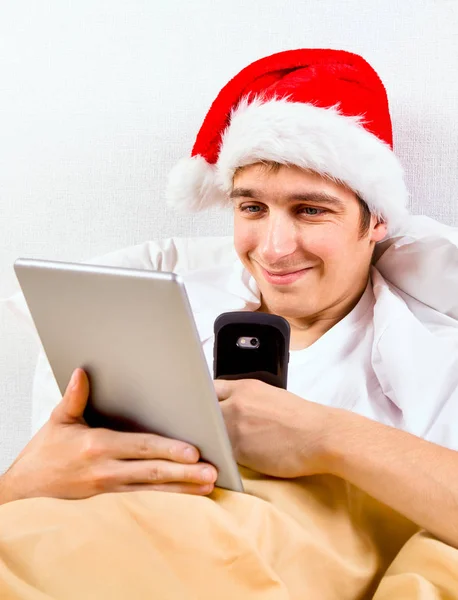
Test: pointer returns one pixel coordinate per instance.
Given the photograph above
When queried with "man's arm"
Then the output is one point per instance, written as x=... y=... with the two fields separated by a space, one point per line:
x=417 y=478
x=280 y=434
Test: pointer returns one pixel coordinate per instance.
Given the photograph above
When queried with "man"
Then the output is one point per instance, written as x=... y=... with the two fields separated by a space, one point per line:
x=301 y=142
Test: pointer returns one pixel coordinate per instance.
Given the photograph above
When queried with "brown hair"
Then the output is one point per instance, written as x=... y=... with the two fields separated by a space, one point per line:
x=364 y=217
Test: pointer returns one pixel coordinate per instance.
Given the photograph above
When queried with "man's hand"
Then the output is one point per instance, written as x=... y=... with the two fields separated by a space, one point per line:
x=277 y=433
x=68 y=459
x=274 y=431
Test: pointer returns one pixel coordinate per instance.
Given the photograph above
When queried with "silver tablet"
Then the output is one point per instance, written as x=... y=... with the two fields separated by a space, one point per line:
x=133 y=332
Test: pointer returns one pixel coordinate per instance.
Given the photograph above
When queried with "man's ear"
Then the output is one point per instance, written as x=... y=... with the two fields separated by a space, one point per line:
x=379 y=231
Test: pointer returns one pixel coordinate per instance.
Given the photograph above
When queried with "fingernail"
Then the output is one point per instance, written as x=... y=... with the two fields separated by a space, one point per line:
x=73 y=380
x=208 y=474
x=190 y=454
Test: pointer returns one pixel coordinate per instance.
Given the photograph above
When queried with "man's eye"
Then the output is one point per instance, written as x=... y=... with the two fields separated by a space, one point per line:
x=251 y=209
x=312 y=212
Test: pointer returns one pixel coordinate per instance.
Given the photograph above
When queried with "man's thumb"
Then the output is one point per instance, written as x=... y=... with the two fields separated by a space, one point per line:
x=224 y=388
x=72 y=406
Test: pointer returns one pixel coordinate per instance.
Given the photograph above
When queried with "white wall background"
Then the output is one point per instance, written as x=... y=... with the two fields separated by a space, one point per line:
x=98 y=99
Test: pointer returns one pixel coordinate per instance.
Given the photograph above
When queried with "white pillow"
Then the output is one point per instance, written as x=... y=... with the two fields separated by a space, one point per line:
x=423 y=263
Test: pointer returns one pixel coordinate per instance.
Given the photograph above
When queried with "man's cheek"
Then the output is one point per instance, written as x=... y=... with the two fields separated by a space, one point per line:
x=246 y=235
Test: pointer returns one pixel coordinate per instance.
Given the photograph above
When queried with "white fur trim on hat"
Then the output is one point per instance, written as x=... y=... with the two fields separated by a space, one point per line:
x=319 y=139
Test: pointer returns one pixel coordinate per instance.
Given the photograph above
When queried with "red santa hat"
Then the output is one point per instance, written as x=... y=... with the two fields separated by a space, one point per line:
x=321 y=110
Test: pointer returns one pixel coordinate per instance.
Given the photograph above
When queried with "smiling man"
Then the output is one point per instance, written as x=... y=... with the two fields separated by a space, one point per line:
x=305 y=241
x=301 y=144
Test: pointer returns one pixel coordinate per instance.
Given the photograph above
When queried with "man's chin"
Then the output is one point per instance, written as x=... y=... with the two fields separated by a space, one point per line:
x=286 y=303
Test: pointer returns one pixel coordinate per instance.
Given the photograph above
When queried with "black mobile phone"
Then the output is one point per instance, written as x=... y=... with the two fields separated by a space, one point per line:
x=251 y=345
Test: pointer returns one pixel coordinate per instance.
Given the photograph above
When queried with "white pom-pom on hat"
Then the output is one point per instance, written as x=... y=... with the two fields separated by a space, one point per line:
x=192 y=185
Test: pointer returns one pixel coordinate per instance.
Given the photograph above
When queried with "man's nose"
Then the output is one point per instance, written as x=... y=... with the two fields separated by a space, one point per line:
x=279 y=239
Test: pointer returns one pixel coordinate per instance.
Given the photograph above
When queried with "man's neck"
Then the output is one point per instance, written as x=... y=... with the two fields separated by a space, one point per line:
x=303 y=338
x=306 y=331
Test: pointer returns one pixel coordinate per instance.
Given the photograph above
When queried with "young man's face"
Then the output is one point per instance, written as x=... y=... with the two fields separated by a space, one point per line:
x=299 y=236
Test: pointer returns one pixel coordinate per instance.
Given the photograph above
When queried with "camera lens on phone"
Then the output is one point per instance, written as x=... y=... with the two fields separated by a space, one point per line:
x=254 y=342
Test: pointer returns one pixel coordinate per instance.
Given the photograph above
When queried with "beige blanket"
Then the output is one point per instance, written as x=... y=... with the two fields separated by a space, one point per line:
x=314 y=538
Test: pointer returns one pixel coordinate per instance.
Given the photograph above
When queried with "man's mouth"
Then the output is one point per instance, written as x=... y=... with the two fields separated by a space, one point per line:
x=284 y=277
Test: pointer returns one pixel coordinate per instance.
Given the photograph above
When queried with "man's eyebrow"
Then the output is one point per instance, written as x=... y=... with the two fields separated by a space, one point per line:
x=322 y=197
x=243 y=193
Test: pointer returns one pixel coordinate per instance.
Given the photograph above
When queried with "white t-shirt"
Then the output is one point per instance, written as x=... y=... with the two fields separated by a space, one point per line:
x=391 y=359
x=336 y=370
